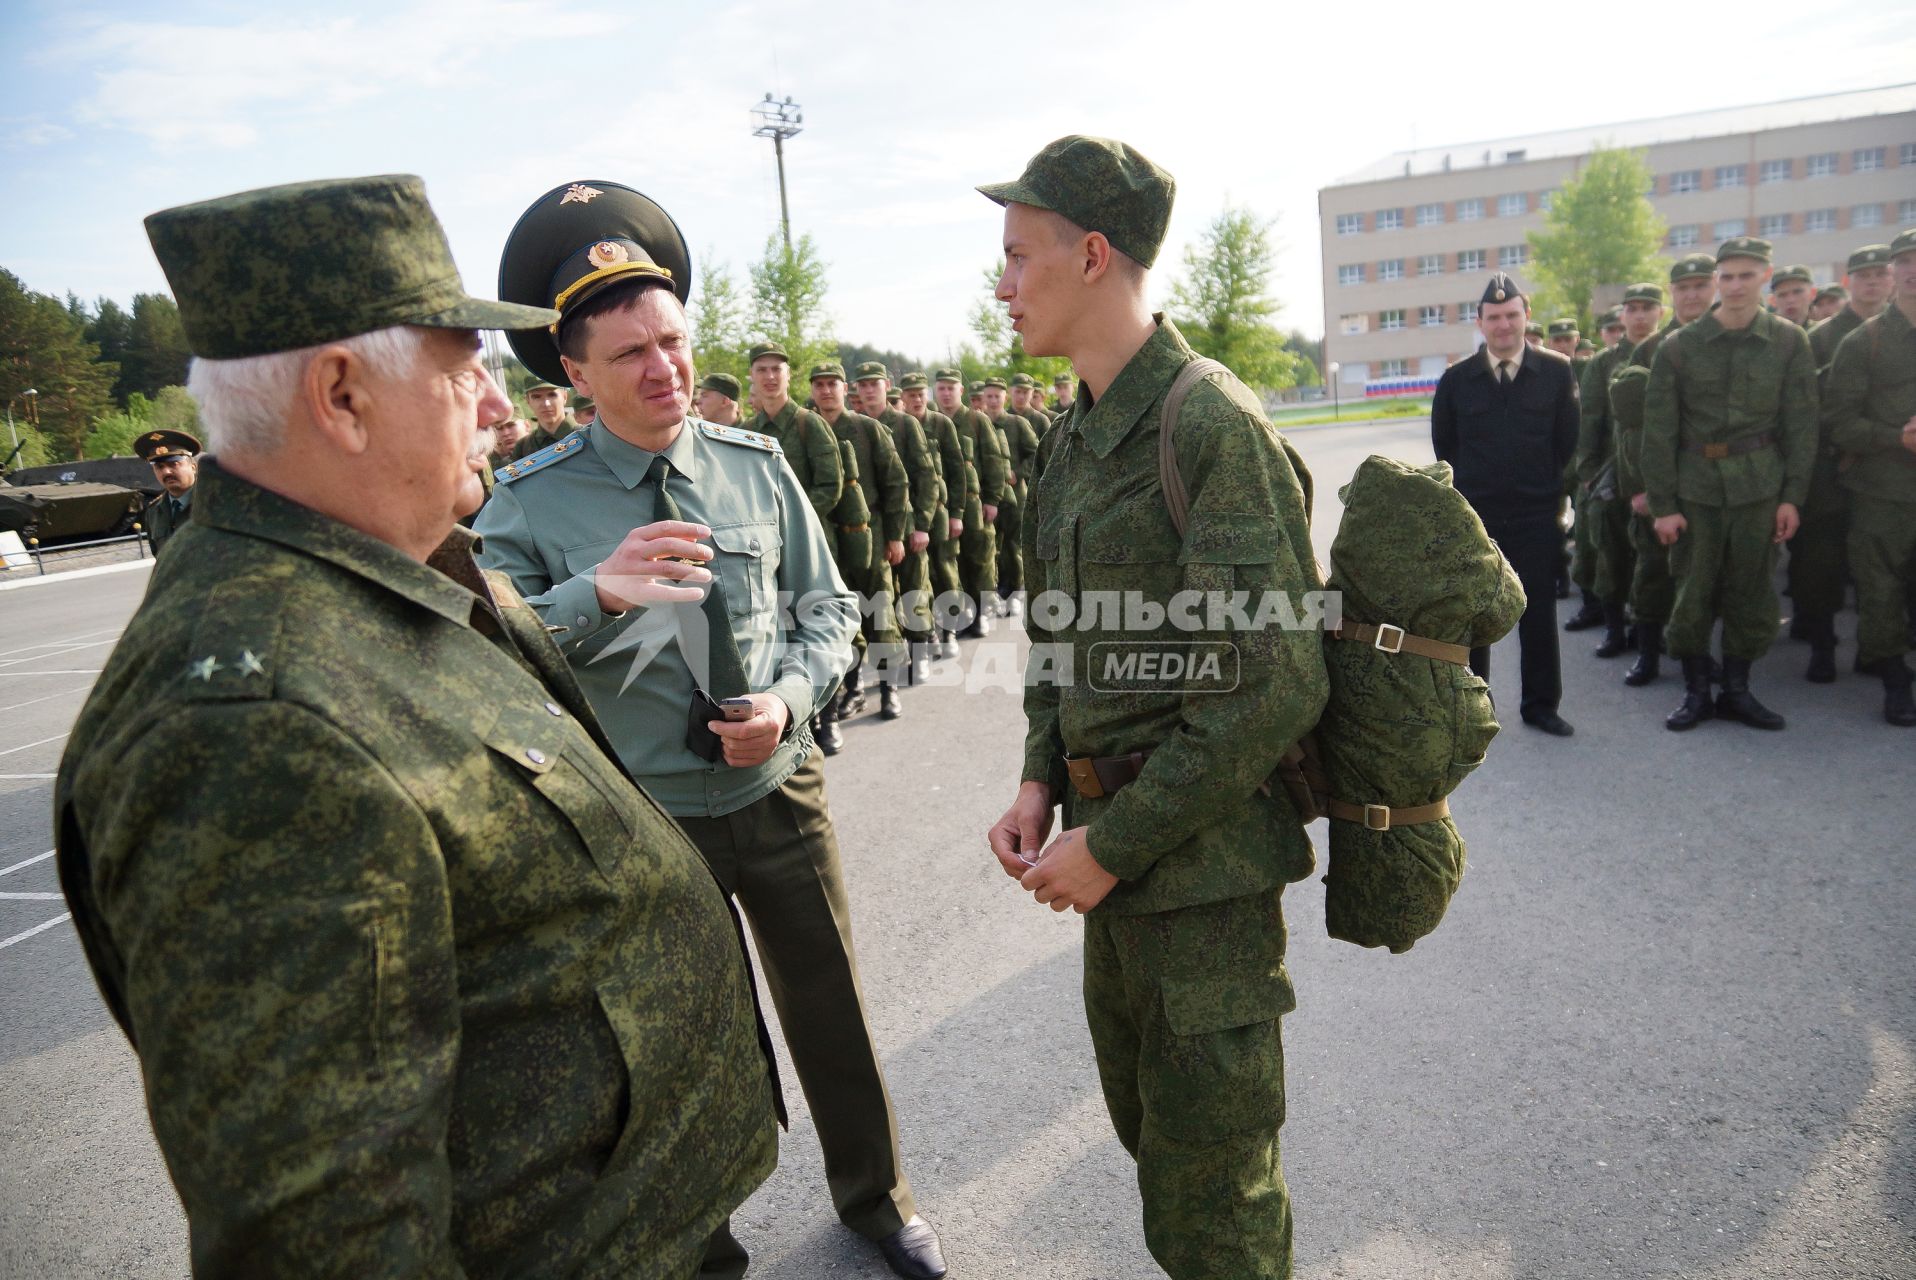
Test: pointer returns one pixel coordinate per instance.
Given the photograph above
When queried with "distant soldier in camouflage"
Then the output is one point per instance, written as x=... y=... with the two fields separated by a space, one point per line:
x=1027 y=401
x=1604 y=508
x=1729 y=443
x=1792 y=289
x=962 y=508
x=1610 y=327
x=1020 y=439
x=1829 y=300
x=718 y=399
x=811 y=447
x=1561 y=337
x=927 y=500
x=420 y=982
x=552 y=418
x=1170 y=846
x=174 y=457
x=978 y=551
x=1533 y=333
x=1061 y=393
x=1869 y=411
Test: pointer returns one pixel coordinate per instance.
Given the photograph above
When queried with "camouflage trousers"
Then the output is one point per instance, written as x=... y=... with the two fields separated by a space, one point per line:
x=1583 y=545
x=1183 y=1007
x=1608 y=527
x=945 y=578
x=1011 y=561
x=913 y=575
x=1882 y=554
x=1818 y=568
x=1725 y=567
x=1652 y=589
x=978 y=559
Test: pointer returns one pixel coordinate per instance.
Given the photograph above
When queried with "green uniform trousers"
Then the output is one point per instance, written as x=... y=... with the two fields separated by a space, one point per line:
x=913 y=576
x=779 y=855
x=1725 y=567
x=978 y=561
x=1608 y=522
x=1583 y=544
x=1882 y=555
x=1818 y=565
x=945 y=575
x=1652 y=589
x=1183 y=1007
x=1011 y=560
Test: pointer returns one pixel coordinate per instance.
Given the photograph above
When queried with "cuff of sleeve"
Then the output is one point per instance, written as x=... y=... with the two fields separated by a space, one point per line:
x=1105 y=838
x=799 y=697
x=574 y=605
x=1661 y=505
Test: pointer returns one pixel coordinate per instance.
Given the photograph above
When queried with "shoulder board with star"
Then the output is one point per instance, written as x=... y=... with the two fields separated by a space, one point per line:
x=571 y=446
x=235 y=647
x=738 y=435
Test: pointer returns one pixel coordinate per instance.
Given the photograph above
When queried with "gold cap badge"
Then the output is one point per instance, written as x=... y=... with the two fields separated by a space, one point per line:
x=607 y=253
x=579 y=193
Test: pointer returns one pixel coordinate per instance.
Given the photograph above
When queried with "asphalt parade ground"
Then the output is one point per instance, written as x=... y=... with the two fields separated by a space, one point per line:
x=1668 y=1028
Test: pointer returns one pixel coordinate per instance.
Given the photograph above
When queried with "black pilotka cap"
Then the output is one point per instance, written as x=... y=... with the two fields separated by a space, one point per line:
x=1501 y=288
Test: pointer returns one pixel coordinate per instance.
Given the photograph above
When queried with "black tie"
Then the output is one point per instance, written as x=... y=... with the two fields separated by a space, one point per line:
x=726 y=678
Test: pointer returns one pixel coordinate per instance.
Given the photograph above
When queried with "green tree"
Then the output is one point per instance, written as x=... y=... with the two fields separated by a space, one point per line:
x=1222 y=305
x=1001 y=348
x=788 y=302
x=1310 y=373
x=110 y=329
x=719 y=338
x=156 y=351
x=43 y=345
x=1600 y=230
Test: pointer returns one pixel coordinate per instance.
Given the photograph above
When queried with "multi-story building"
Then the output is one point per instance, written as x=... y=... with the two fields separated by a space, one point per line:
x=1408 y=241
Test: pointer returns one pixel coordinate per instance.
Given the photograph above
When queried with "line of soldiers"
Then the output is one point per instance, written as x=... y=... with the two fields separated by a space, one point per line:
x=1718 y=430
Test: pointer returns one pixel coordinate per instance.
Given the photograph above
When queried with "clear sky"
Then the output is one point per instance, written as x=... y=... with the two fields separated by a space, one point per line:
x=111 y=110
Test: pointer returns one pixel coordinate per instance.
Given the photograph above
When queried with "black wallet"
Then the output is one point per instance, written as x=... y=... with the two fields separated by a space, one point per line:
x=699 y=738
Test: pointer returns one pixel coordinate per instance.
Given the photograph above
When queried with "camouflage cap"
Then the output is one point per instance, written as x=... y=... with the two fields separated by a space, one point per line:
x=1613 y=317
x=1023 y=380
x=761 y=349
x=975 y=388
x=1533 y=330
x=723 y=383
x=1691 y=265
x=913 y=382
x=1747 y=247
x=827 y=369
x=995 y=381
x=287 y=267
x=869 y=370
x=1500 y=288
x=893 y=396
x=1561 y=328
x=1870 y=255
x=1062 y=380
x=948 y=375
x=1648 y=291
x=1792 y=273
x=155 y=446
x=1832 y=291
x=1101 y=185
x=1905 y=242
x=540 y=384
x=1584 y=344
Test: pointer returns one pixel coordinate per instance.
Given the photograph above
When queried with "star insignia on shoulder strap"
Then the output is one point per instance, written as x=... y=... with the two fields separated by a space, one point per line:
x=204 y=668
x=250 y=665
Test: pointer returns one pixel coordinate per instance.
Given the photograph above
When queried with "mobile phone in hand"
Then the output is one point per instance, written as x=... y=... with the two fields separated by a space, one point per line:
x=737 y=709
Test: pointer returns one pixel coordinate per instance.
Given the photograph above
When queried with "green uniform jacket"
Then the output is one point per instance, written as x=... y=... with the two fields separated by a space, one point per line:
x=955 y=464
x=811 y=449
x=1628 y=386
x=988 y=451
x=538 y=438
x=1711 y=385
x=420 y=983
x=1871 y=394
x=881 y=475
x=1196 y=825
x=1021 y=446
x=924 y=476
x=1827 y=336
x=1035 y=414
x=162 y=520
x=1596 y=436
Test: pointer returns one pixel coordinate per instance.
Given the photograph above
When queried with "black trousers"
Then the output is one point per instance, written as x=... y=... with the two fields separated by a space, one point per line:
x=1534 y=547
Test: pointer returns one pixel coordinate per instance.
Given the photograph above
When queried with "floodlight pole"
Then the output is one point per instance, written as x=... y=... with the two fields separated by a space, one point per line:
x=779 y=121
x=26 y=395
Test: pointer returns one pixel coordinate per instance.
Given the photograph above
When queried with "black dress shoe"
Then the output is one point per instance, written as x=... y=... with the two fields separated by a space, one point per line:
x=912 y=1251
x=1551 y=723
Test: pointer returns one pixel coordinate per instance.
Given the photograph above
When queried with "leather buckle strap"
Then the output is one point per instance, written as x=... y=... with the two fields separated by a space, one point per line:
x=1378 y=817
x=853 y=528
x=1719 y=450
x=1388 y=638
x=1095 y=777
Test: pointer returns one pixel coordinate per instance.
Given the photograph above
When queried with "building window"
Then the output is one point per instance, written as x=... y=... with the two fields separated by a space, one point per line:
x=1513 y=255
x=1394 y=369
x=1909 y=153
x=1777 y=171
x=1867 y=159
x=1430 y=317
x=1686 y=181
x=1470 y=260
x=1906 y=213
x=1430 y=264
x=1354 y=372
x=1772 y=225
x=1545 y=199
x=1470 y=210
x=1351 y=274
x=1683 y=237
x=1821 y=166
x=1514 y=205
x=1819 y=221
x=1866 y=215
x=1388 y=321
x=1730 y=175
x=1466 y=313
x=1390 y=219
x=1729 y=229
x=1350 y=224
x=1352 y=325
x=1514 y=157
x=1430 y=215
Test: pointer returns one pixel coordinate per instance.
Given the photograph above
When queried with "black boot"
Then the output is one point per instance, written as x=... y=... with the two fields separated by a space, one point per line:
x=825 y=731
x=1649 y=655
x=1696 y=696
x=851 y=694
x=1616 y=634
x=1736 y=702
x=1821 y=633
x=1590 y=615
x=980 y=619
x=888 y=708
x=1899 y=708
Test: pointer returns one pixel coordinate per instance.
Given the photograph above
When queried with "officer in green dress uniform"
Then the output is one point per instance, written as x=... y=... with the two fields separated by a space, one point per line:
x=647 y=491
x=420 y=983
x=978 y=549
x=1170 y=845
x=174 y=457
x=962 y=510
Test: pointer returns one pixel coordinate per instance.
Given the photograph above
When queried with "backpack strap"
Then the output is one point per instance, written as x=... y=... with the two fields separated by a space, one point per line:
x=1177 y=499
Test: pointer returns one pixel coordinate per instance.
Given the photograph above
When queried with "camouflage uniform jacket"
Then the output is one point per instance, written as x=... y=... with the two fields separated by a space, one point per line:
x=421 y=984
x=988 y=453
x=1195 y=826
x=1711 y=385
x=1872 y=393
x=811 y=449
x=881 y=475
x=1827 y=336
x=1021 y=446
x=1625 y=394
x=1596 y=440
x=924 y=476
x=955 y=463
x=538 y=438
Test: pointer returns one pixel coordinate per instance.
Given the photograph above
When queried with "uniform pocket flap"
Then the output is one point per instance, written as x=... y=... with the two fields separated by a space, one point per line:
x=746 y=539
x=531 y=737
x=1230 y=538
x=592 y=554
x=1209 y=1002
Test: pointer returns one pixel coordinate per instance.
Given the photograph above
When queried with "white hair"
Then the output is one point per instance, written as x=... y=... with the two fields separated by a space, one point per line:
x=244 y=402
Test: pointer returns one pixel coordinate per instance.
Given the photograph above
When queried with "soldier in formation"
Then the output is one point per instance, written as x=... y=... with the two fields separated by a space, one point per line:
x=978 y=546
x=1020 y=440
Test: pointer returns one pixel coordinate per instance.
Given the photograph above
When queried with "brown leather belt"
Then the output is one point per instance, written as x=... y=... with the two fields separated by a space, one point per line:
x=853 y=528
x=1377 y=817
x=1733 y=448
x=1095 y=777
x=1386 y=638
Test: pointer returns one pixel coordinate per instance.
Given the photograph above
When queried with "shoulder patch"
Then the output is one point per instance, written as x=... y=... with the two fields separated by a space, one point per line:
x=570 y=446
x=235 y=647
x=737 y=435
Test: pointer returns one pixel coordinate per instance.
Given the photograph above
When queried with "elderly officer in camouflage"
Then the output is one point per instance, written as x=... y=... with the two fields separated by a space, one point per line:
x=420 y=983
x=978 y=548
x=810 y=448
x=926 y=500
x=1869 y=412
x=962 y=508
x=707 y=703
x=1729 y=443
x=1170 y=846
x=174 y=457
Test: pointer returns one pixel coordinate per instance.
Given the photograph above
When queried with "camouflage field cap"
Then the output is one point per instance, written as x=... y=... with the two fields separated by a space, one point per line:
x=976 y=387
x=948 y=375
x=1832 y=291
x=1905 y=242
x=827 y=369
x=912 y=382
x=1749 y=247
x=894 y=396
x=1787 y=274
x=1023 y=380
x=1648 y=291
x=995 y=381
x=577 y=240
x=871 y=369
x=1101 y=185
x=723 y=383
x=1559 y=328
x=762 y=349
x=287 y=267
x=1870 y=255
x=1062 y=380
x=1533 y=330
x=156 y=446
x=1691 y=265
x=1584 y=344
x=540 y=384
x=1612 y=318
x=1500 y=288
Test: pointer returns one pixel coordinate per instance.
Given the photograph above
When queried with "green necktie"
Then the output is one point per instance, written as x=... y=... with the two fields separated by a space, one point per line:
x=726 y=677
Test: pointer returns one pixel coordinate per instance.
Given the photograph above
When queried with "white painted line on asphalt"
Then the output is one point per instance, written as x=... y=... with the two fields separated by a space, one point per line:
x=49 y=697
x=91 y=644
x=41 y=742
x=63 y=671
x=38 y=857
x=24 y=934
x=25 y=777
x=31 y=897
x=55 y=644
x=94 y=572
